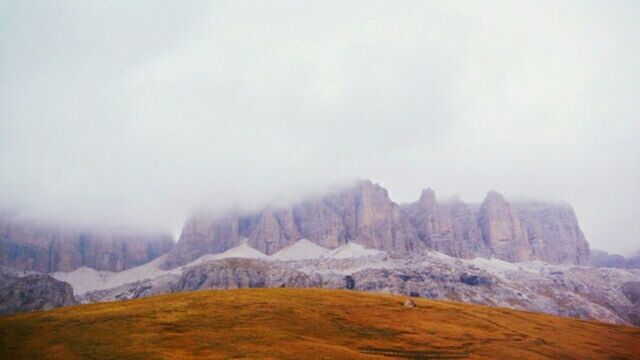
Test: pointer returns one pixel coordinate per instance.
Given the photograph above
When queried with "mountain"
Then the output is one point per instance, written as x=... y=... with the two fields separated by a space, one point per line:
x=523 y=255
x=604 y=259
x=305 y=324
x=45 y=247
x=365 y=214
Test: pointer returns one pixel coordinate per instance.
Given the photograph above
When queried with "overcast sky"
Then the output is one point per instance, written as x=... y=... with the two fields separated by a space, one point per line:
x=138 y=112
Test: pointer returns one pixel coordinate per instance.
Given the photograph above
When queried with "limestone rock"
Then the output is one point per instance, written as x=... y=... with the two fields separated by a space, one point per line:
x=365 y=214
x=243 y=273
x=604 y=259
x=632 y=291
x=31 y=245
x=553 y=233
x=408 y=303
x=274 y=231
x=33 y=292
x=502 y=230
x=448 y=228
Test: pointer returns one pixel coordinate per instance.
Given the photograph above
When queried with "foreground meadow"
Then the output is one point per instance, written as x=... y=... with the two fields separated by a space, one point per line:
x=304 y=324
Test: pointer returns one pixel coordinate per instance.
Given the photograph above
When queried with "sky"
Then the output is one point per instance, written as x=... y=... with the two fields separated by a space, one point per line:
x=137 y=113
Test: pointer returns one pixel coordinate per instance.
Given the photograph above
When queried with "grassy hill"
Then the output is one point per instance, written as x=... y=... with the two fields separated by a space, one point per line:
x=304 y=324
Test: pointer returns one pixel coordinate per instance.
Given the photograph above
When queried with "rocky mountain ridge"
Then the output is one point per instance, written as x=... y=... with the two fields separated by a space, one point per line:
x=365 y=214
x=611 y=295
x=28 y=244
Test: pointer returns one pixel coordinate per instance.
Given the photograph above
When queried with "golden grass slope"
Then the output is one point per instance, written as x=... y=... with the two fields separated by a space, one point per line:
x=304 y=324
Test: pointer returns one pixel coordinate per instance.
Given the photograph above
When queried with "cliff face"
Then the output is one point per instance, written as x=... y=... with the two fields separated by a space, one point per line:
x=365 y=214
x=502 y=230
x=29 y=245
x=553 y=233
x=448 y=228
x=512 y=232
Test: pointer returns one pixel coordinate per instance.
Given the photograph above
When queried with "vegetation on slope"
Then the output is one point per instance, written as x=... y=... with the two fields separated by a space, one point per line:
x=304 y=324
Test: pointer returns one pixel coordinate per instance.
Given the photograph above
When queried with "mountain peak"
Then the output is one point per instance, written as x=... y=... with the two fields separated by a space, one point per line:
x=494 y=196
x=427 y=196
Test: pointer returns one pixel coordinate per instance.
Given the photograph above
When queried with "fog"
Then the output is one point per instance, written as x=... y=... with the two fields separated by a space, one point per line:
x=138 y=113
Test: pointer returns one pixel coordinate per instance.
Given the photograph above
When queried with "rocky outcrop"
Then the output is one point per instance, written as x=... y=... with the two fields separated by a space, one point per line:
x=604 y=259
x=33 y=292
x=553 y=233
x=244 y=273
x=632 y=291
x=502 y=230
x=31 y=245
x=409 y=303
x=365 y=214
x=513 y=232
x=449 y=228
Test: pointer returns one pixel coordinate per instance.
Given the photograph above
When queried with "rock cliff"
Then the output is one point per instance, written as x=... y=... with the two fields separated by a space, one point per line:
x=33 y=292
x=502 y=230
x=31 y=245
x=553 y=233
x=450 y=228
x=365 y=214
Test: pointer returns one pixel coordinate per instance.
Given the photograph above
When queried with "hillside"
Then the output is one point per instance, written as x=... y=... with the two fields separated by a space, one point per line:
x=583 y=292
x=304 y=324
